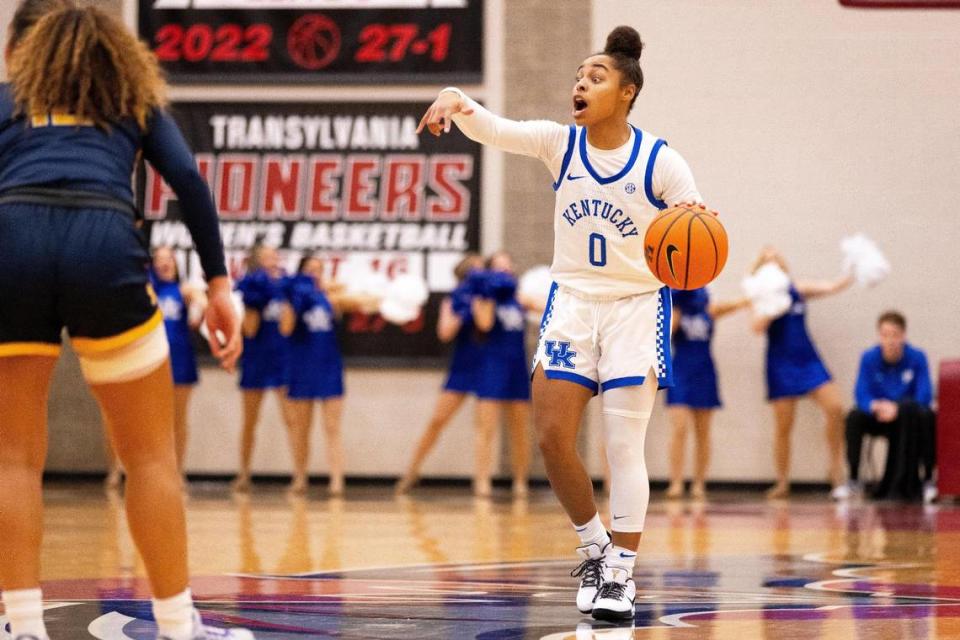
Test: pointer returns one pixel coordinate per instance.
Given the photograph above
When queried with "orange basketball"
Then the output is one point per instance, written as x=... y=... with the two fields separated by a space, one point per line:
x=685 y=247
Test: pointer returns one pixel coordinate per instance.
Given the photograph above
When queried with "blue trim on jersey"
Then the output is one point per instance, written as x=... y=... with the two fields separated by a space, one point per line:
x=663 y=337
x=572 y=377
x=648 y=176
x=544 y=320
x=627 y=381
x=566 y=156
x=637 y=139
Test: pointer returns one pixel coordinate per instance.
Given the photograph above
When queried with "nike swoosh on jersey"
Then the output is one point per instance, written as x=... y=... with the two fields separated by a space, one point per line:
x=570 y=176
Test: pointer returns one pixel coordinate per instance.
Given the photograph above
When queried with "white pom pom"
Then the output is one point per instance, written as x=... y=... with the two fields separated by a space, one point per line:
x=370 y=283
x=769 y=290
x=398 y=312
x=864 y=260
x=535 y=284
x=403 y=299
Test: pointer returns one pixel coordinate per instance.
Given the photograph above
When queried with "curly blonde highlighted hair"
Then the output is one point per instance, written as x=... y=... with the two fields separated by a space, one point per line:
x=28 y=13
x=87 y=64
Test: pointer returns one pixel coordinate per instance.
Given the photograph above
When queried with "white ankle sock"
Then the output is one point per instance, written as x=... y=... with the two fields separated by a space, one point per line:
x=620 y=558
x=24 y=609
x=593 y=532
x=174 y=615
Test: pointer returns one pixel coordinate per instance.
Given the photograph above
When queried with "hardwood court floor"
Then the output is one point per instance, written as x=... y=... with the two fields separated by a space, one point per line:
x=441 y=565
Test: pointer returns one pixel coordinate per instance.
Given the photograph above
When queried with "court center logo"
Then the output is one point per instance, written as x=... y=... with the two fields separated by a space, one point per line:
x=313 y=41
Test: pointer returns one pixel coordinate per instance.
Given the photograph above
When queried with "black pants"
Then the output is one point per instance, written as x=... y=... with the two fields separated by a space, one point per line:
x=912 y=438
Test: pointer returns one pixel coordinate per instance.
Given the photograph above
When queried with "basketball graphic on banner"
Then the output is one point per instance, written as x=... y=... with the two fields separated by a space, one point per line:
x=313 y=41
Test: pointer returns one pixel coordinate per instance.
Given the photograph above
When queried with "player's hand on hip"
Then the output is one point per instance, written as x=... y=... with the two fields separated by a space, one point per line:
x=223 y=326
x=439 y=115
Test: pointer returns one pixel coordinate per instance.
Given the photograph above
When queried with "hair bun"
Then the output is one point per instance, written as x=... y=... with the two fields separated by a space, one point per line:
x=624 y=41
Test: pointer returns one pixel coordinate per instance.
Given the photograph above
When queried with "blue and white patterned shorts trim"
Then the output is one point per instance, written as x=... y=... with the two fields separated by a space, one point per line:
x=604 y=345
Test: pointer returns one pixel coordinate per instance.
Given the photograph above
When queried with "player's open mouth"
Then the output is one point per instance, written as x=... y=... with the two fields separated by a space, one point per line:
x=579 y=106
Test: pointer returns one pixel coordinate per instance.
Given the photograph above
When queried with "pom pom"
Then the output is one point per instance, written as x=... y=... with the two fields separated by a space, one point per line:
x=864 y=260
x=535 y=284
x=460 y=299
x=370 y=283
x=257 y=289
x=478 y=283
x=298 y=290
x=624 y=41
x=768 y=290
x=404 y=299
x=502 y=286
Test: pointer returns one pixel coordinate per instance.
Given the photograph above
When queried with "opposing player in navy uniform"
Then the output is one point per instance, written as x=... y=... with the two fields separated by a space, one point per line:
x=315 y=367
x=607 y=322
x=265 y=352
x=795 y=370
x=695 y=395
x=454 y=324
x=503 y=375
x=78 y=112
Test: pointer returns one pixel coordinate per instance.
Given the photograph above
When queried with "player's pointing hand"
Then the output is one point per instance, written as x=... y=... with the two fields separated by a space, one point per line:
x=440 y=114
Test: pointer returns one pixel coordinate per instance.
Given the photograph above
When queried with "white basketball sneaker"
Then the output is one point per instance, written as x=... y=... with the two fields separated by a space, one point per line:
x=590 y=573
x=203 y=632
x=616 y=595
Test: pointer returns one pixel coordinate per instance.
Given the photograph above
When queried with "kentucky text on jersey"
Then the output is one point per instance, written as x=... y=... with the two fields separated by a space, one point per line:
x=594 y=208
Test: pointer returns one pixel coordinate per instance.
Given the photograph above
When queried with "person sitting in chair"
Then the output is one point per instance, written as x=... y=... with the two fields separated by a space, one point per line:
x=893 y=396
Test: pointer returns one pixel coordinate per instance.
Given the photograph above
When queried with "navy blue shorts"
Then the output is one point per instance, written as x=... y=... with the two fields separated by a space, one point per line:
x=83 y=269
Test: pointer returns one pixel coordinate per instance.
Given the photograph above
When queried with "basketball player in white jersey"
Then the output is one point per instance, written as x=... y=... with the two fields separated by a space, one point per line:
x=607 y=323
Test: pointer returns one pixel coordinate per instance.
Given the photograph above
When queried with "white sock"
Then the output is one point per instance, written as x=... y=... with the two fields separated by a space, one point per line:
x=174 y=615
x=24 y=609
x=593 y=532
x=620 y=558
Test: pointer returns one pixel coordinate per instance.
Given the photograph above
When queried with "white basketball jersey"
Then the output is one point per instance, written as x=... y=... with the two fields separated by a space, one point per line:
x=605 y=201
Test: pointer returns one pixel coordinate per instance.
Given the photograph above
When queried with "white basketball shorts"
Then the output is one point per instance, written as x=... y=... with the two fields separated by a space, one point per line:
x=605 y=344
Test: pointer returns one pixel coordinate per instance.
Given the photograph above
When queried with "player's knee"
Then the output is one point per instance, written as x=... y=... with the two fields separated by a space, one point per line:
x=128 y=362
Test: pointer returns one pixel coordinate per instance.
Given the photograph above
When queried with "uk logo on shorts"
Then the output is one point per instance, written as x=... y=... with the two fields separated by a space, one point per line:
x=560 y=354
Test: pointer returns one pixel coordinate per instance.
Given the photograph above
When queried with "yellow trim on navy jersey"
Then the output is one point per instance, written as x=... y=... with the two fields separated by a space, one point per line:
x=99 y=345
x=29 y=349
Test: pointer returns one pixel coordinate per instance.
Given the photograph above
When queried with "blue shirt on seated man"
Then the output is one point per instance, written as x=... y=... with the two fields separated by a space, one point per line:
x=893 y=396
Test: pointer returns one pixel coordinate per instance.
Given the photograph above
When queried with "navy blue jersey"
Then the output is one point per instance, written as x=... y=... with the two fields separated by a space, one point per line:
x=794 y=367
x=171 y=304
x=905 y=380
x=60 y=152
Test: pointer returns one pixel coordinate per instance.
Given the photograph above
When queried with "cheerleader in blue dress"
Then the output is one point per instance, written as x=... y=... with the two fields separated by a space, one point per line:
x=795 y=370
x=315 y=375
x=455 y=325
x=183 y=307
x=263 y=366
x=503 y=383
x=694 y=396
